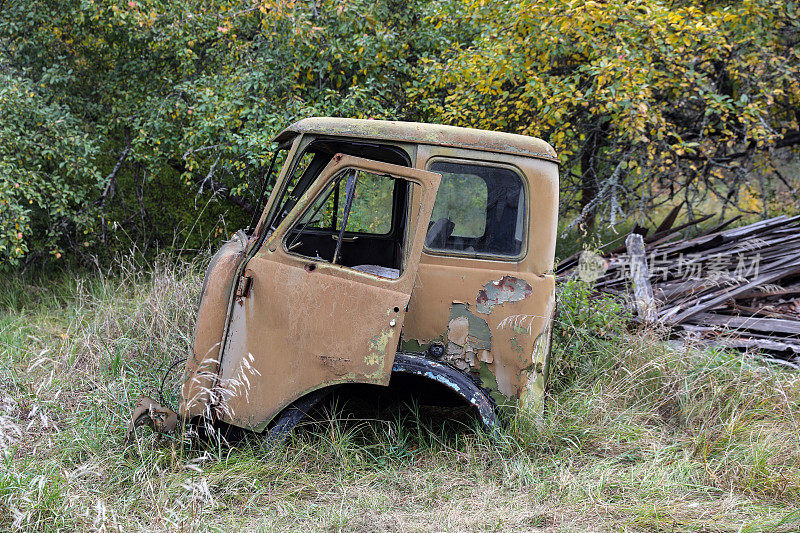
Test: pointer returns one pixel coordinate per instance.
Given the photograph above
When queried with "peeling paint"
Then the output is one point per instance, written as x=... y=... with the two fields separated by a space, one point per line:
x=469 y=339
x=505 y=289
x=533 y=394
x=442 y=379
x=411 y=346
x=377 y=348
x=489 y=381
x=456 y=381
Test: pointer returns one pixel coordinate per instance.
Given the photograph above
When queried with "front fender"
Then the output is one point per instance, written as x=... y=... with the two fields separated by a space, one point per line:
x=202 y=367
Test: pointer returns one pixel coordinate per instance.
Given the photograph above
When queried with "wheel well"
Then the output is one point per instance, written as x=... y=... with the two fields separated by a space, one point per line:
x=425 y=372
x=413 y=378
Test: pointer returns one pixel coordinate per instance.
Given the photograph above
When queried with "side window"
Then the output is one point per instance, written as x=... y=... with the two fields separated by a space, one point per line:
x=371 y=208
x=350 y=224
x=372 y=205
x=291 y=193
x=462 y=199
x=479 y=210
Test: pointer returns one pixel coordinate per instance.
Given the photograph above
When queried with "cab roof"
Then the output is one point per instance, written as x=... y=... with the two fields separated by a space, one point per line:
x=419 y=133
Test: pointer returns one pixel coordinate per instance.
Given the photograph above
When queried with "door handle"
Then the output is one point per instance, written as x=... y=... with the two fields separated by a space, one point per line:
x=344 y=239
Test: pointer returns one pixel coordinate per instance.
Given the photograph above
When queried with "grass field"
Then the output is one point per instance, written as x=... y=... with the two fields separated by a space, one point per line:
x=638 y=435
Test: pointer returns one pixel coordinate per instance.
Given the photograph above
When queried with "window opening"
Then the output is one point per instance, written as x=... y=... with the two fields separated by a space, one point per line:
x=267 y=183
x=315 y=157
x=357 y=221
x=479 y=209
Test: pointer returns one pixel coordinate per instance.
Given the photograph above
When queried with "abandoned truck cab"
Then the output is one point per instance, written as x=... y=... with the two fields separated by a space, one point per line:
x=386 y=249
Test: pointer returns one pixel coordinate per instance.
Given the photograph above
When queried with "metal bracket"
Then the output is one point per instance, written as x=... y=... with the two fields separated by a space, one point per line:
x=243 y=289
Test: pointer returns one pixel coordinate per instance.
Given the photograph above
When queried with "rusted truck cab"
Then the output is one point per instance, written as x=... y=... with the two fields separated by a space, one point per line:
x=385 y=249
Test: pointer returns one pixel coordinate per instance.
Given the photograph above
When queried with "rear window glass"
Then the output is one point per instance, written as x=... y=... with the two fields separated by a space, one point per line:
x=479 y=209
x=462 y=198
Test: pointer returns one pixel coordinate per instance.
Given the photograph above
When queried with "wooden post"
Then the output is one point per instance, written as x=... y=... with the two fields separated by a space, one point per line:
x=642 y=291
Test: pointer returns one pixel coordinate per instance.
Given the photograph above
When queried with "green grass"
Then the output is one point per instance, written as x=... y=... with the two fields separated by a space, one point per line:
x=638 y=435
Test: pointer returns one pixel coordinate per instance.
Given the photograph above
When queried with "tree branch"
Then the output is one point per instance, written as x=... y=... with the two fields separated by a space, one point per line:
x=108 y=192
x=216 y=188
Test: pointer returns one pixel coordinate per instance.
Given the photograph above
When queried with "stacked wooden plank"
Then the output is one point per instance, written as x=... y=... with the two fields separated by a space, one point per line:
x=737 y=287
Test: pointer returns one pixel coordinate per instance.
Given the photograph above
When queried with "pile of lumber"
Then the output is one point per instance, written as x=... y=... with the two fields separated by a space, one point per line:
x=736 y=287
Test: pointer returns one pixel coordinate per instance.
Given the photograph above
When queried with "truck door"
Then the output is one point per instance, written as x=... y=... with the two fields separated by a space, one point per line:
x=323 y=301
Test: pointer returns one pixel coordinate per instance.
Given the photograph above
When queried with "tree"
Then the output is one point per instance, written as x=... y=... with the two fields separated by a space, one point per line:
x=644 y=100
x=179 y=100
x=47 y=174
x=150 y=121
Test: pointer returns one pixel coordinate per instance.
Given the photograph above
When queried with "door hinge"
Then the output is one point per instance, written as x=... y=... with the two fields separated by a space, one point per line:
x=243 y=289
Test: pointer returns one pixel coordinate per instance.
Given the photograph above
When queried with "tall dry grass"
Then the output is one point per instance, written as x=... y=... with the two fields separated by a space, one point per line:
x=638 y=435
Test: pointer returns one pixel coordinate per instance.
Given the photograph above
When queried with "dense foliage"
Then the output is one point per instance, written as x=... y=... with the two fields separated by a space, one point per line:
x=148 y=123
x=643 y=99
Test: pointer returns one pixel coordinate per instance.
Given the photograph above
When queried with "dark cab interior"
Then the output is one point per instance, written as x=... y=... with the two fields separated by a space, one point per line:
x=316 y=235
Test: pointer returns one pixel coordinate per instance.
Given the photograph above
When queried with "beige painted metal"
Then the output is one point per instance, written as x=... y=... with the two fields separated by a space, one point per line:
x=520 y=330
x=306 y=324
x=299 y=330
x=202 y=366
x=418 y=133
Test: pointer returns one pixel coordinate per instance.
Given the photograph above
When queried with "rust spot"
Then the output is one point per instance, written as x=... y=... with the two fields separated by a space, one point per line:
x=337 y=365
x=151 y=413
x=505 y=289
